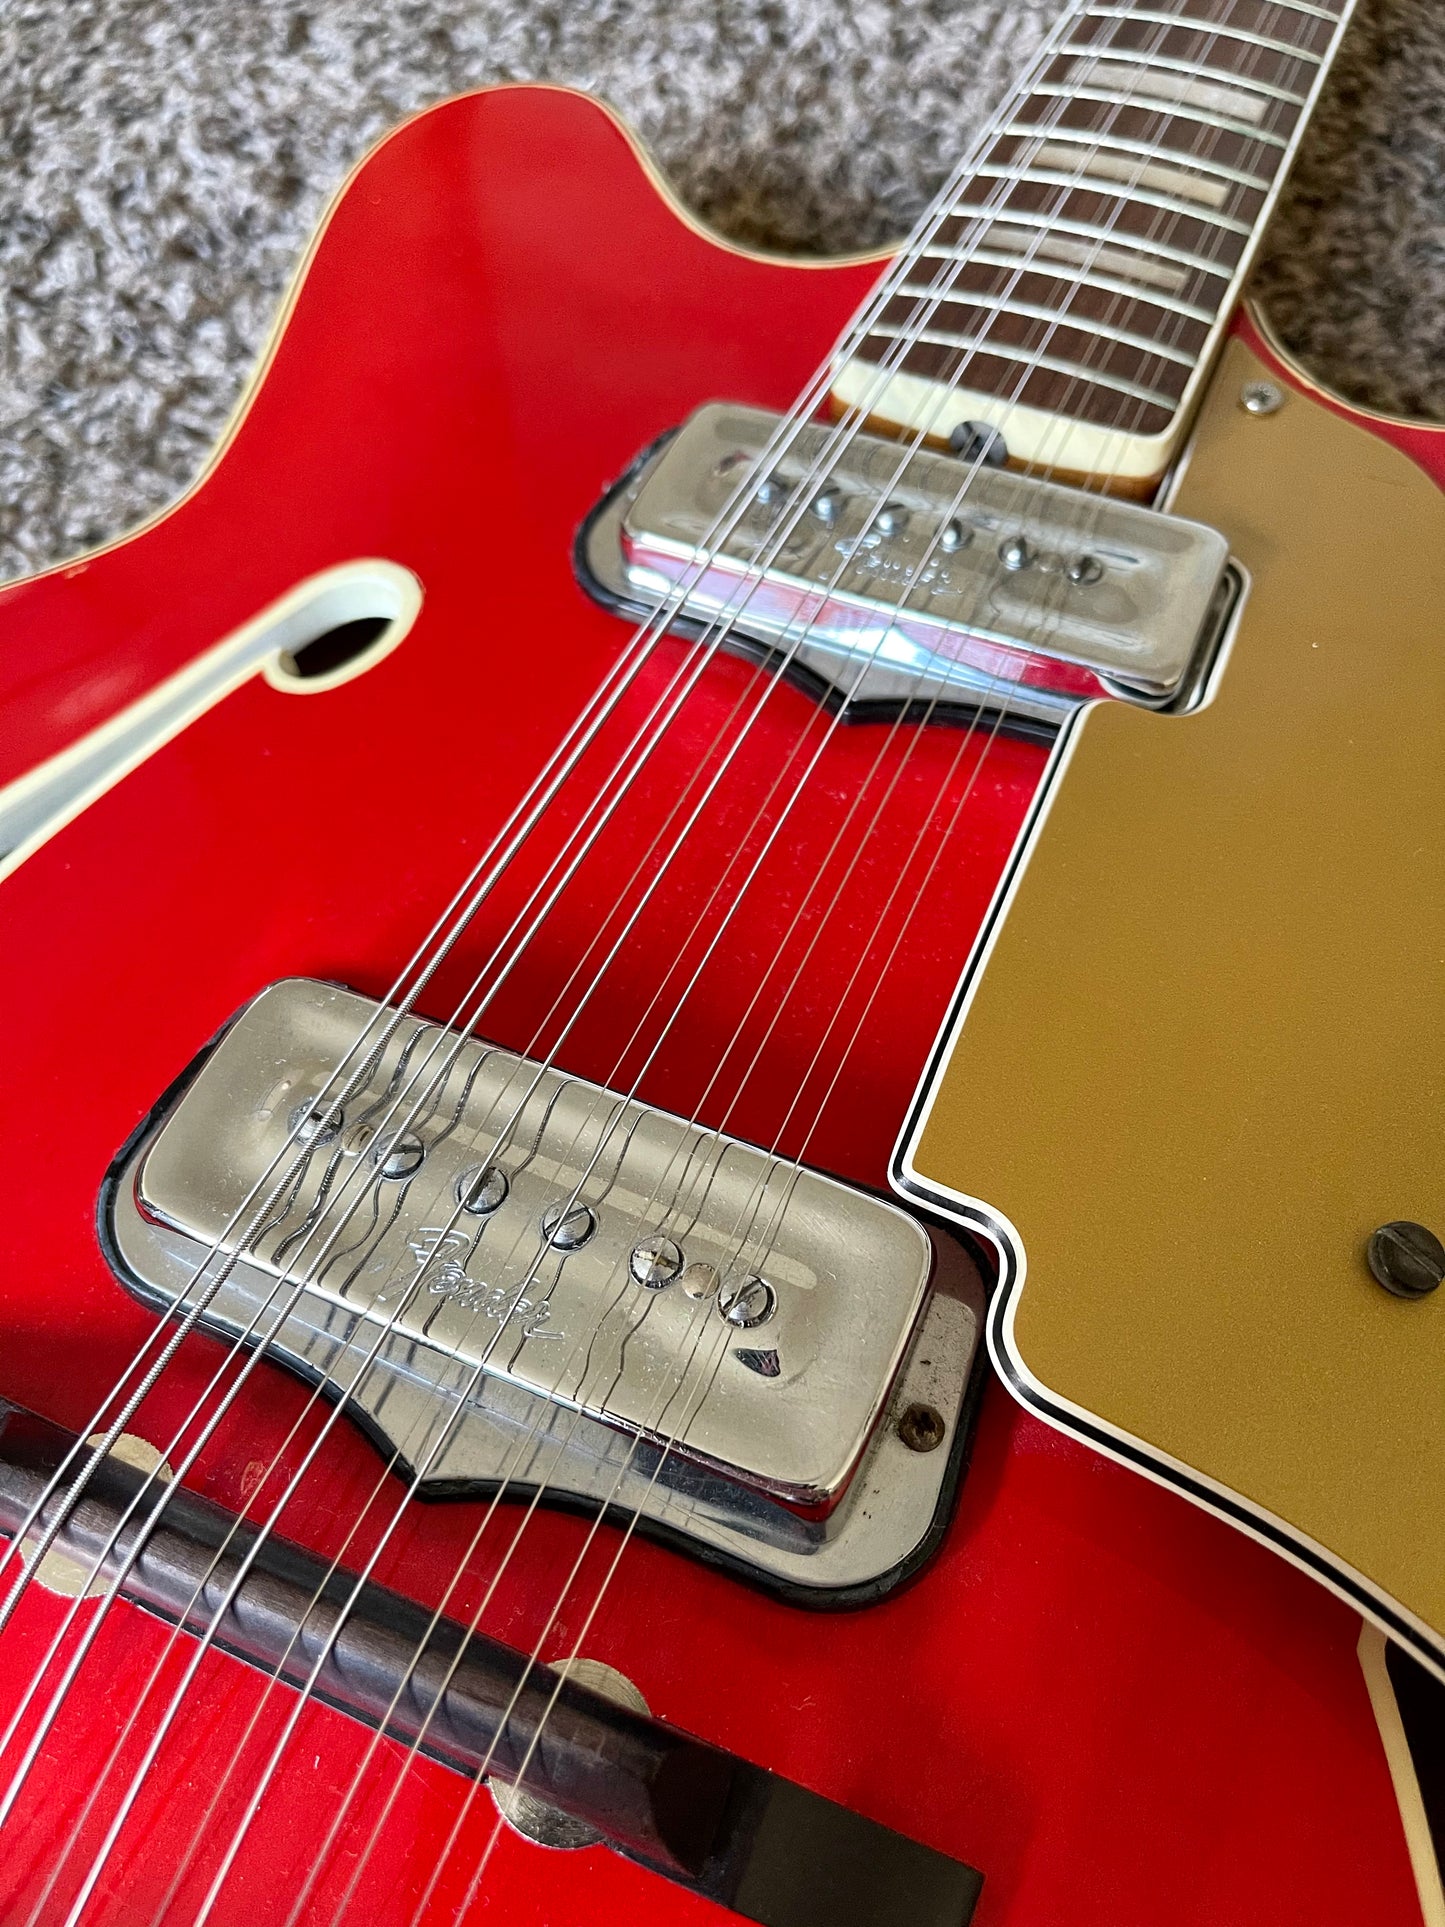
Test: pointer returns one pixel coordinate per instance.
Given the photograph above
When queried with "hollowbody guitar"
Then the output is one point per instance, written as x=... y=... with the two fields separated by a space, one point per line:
x=1118 y=1707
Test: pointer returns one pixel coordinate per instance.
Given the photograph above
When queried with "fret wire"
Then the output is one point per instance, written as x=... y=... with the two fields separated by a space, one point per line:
x=1144 y=150
x=1151 y=104
x=1304 y=6
x=1091 y=231
x=1118 y=190
x=1211 y=76
x=1066 y=318
x=1073 y=277
x=986 y=345
x=1157 y=17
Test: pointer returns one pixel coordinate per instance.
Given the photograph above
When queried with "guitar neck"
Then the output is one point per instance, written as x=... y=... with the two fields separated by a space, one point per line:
x=1072 y=289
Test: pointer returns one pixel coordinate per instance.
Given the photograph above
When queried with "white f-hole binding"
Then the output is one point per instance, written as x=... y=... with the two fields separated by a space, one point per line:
x=329 y=628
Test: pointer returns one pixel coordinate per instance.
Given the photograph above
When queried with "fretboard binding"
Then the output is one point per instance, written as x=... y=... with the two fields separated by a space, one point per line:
x=1034 y=311
x=1219 y=77
x=1048 y=364
x=1084 y=278
x=1156 y=17
x=1168 y=109
x=1084 y=183
x=1146 y=150
x=1111 y=238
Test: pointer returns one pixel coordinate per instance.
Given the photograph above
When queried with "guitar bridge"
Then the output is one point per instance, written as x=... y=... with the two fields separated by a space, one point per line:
x=911 y=580
x=491 y=1260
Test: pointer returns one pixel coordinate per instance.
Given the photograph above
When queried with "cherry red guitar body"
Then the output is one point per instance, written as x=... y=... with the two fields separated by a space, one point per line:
x=1120 y=1710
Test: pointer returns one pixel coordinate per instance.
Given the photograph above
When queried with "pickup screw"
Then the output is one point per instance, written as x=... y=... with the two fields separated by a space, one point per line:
x=400 y=1157
x=828 y=503
x=921 y=1428
x=1406 y=1258
x=1015 y=553
x=655 y=1262
x=977 y=442
x=892 y=518
x=752 y=1303
x=1085 y=569
x=954 y=536
x=1261 y=397
x=700 y=1280
x=482 y=1190
x=567 y=1228
x=313 y=1125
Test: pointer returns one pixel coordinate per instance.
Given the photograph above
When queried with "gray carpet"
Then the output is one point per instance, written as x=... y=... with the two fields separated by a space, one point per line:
x=165 y=160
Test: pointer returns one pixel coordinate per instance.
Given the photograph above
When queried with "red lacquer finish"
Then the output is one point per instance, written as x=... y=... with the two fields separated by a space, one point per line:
x=1123 y=1712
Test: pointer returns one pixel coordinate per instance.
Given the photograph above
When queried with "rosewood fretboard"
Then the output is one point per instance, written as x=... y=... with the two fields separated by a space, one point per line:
x=1072 y=290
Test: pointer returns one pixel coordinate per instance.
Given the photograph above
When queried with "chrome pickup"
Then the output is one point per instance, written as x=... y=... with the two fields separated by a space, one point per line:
x=526 y=1227
x=914 y=578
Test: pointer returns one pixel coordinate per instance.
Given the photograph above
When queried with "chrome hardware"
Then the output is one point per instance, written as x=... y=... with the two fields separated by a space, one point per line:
x=312 y=1125
x=700 y=1281
x=913 y=591
x=828 y=503
x=750 y=1304
x=655 y=1262
x=568 y=1227
x=481 y=1298
x=783 y=1417
x=482 y=1190
x=978 y=442
x=1085 y=569
x=1261 y=398
x=400 y=1157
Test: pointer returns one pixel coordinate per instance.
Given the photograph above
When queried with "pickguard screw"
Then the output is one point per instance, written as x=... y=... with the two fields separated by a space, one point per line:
x=401 y=1156
x=568 y=1229
x=750 y=1305
x=655 y=1262
x=921 y=1428
x=1261 y=397
x=1406 y=1258
x=1015 y=553
x=482 y=1190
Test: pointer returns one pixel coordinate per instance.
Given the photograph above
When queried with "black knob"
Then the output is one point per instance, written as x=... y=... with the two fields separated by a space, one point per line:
x=1406 y=1258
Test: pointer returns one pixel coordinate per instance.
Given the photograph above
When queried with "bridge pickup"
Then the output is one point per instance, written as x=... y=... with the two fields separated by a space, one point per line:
x=531 y=1231
x=948 y=583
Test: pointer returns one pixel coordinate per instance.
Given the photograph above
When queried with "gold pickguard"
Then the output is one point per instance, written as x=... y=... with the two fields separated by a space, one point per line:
x=1207 y=1054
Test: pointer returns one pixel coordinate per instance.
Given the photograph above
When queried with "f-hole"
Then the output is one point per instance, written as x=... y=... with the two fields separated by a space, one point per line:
x=337 y=648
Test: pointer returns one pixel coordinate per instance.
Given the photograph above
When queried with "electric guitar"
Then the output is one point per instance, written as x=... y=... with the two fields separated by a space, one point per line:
x=672 y=851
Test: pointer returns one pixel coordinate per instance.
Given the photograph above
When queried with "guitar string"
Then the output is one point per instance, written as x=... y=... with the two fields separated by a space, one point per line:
x=941 y=212
x=581 y=1639
x=851 y=335
x=584 y=729
x=939 y=844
